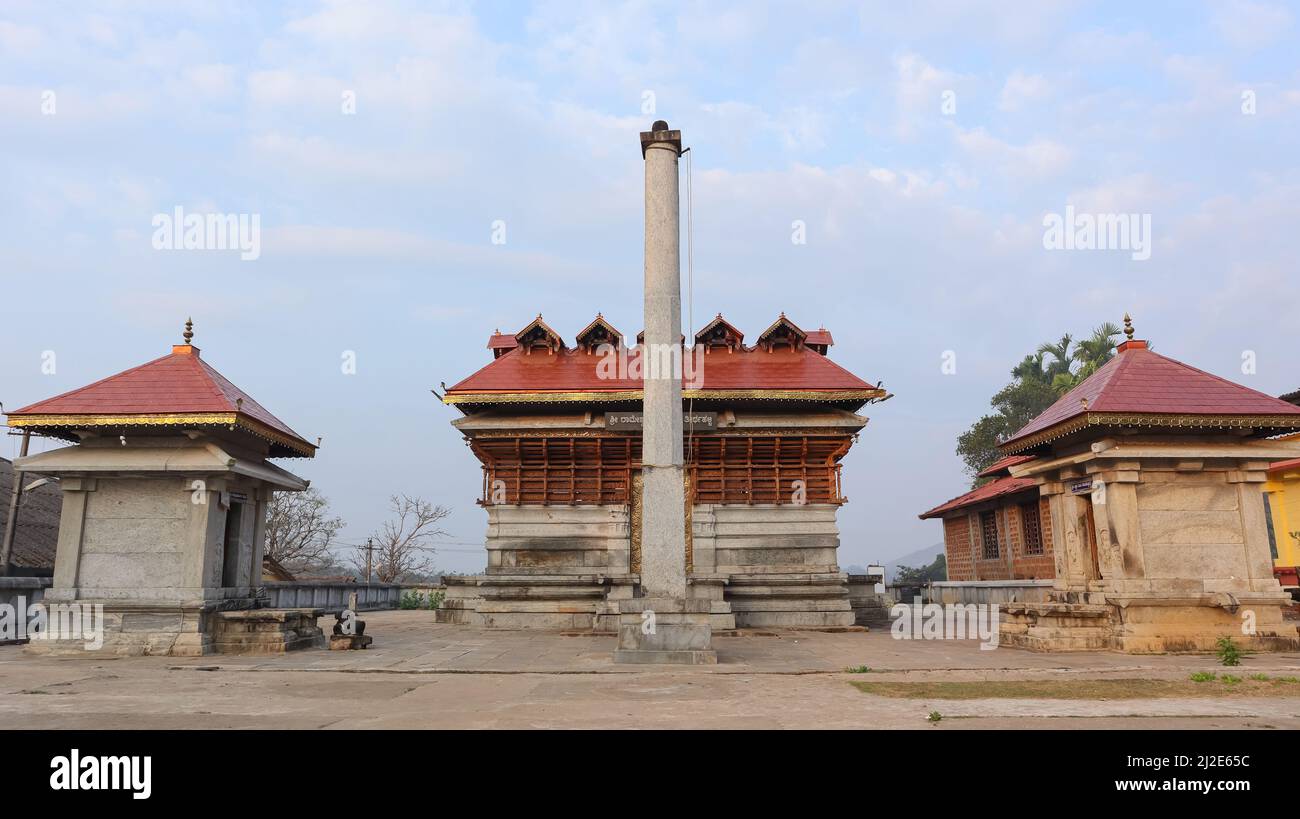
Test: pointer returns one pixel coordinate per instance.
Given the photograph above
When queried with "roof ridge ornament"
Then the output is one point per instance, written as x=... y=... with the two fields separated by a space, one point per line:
x=1128 y=326
x=188 y=335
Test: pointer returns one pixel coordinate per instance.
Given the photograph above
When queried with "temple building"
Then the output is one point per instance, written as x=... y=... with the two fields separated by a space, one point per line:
x=1149 y=476
x=1001 y=530
x=1282 y=497
x=557 y=429
x=163 y=517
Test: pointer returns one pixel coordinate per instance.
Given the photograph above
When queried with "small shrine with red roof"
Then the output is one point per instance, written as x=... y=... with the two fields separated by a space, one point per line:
x=165 y=495
x=1149 y=481
x=556 y=427
x=1001 y=530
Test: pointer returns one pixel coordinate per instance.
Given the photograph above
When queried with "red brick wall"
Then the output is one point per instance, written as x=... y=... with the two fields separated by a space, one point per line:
x=956 y=543
x=966 y=562
x=1026 y=566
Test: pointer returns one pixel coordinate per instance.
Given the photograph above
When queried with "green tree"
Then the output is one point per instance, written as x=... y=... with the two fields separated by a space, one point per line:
x=1069 y=366
x=1039 y=380
x=1015 y=405
x=908 y=576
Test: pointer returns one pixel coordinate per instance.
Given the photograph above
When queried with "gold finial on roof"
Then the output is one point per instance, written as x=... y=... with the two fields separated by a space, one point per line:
x=188 y=335
x=1128 y=326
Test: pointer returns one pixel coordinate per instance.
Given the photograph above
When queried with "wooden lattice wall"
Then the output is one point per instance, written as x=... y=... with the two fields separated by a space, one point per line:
x=722 y=469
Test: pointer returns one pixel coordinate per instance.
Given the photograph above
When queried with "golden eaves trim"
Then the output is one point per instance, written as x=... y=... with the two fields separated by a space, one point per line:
x=1155 y=420
x=168 y=419
x=636 y=395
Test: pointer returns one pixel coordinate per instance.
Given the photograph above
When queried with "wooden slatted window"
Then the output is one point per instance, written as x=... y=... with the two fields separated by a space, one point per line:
x=989 y=533
x=1032 y=528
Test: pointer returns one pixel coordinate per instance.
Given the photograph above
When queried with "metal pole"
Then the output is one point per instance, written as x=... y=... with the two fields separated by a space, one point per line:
x=11 y=524
x=370 y=550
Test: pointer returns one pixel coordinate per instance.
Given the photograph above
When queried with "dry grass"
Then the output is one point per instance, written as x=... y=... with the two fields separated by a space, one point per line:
x=1078 y=689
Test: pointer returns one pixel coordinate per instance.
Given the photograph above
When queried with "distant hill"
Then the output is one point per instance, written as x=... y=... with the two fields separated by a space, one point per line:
x=921 y=557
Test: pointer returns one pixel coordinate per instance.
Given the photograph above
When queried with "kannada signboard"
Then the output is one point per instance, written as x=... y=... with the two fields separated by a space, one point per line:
x=632 y=421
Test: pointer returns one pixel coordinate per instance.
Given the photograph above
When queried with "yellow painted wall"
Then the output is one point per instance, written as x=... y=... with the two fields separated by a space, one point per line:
x=1284 y=499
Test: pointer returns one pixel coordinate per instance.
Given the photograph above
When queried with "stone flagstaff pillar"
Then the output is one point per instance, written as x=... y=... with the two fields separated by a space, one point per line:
x=663 y=625
x=663 y=521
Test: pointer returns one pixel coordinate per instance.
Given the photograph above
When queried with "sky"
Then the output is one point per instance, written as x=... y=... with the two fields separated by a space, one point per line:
x=921 y=147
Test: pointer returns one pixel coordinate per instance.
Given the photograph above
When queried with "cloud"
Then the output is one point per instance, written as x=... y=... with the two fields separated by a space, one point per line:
x=318 y=156
x=1035 y=160
x=20 y=40
x=918 y=89
x=1023 y=89
x=1246 y=24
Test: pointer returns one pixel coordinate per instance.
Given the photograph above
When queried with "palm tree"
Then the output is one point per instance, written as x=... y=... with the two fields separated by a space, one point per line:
x=1093 y=352
x=1060 y=355
x=1084 y=359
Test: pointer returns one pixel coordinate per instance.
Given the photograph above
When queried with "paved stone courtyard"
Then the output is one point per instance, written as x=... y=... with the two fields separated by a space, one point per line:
x=420 y=674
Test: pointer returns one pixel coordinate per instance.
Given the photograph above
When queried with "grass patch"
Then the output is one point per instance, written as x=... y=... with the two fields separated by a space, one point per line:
x=1204 y=676
x=858 y=669
x=1080 y=689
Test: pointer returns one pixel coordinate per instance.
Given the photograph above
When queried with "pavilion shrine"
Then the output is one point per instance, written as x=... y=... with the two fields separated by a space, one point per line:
x=557 y=430
x=1149 y=479
x=165 y=493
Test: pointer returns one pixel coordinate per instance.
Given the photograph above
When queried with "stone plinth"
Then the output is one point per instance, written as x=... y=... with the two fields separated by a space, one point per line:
x=266 y=631
x=350 y=642
x=184 y=630
x=1161 y=546
x=664 y=631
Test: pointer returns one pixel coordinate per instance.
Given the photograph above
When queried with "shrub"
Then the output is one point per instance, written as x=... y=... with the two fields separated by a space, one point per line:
x=1228 y=652
x=411 y=600
x=420 y=600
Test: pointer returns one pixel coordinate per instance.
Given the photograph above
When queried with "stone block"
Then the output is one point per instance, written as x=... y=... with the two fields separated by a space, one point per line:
x=664 y=631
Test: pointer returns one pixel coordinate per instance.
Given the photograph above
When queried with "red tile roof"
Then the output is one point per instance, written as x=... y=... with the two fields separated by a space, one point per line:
x=178 y=383
x=993 y=489
x=822 y=336
x=577 y=371
x=1140 y=382
x=1003 y=465
x=1283 y=466
x=502 y=341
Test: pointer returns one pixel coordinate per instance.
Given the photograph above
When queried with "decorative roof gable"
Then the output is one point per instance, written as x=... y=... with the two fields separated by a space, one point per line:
x=597 y=333
x=782 y=333
x=719 y=333
x=538 y=336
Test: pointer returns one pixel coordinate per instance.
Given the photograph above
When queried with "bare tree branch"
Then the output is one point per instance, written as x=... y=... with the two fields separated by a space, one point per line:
x=403 y=545
x=300 y=531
